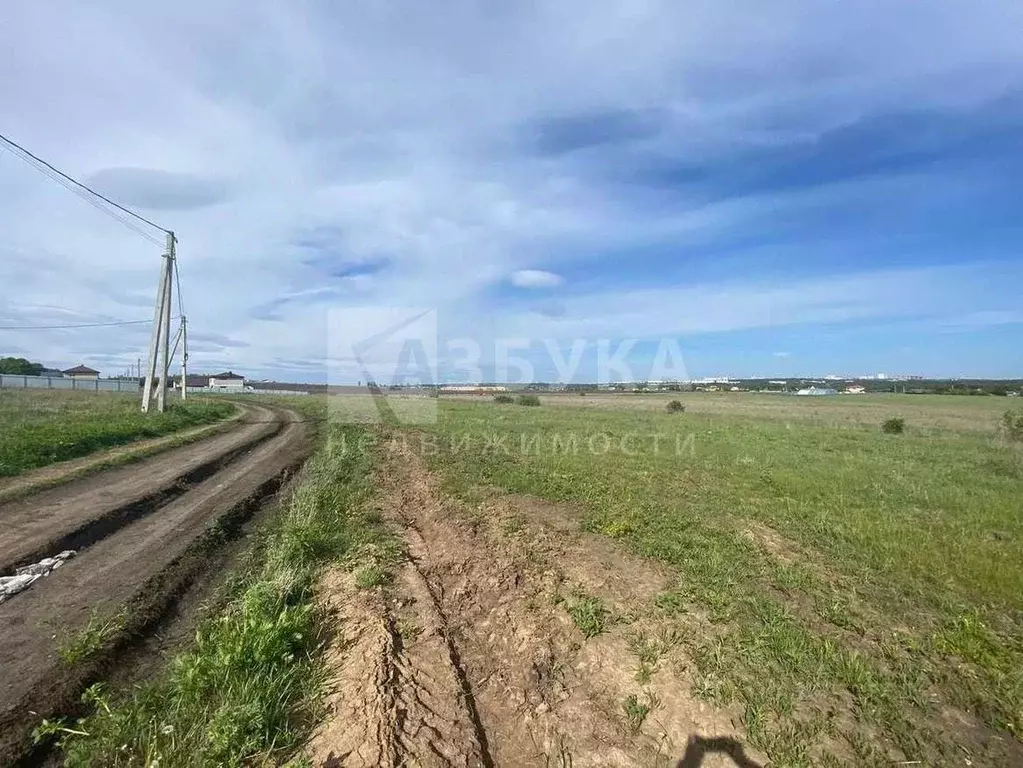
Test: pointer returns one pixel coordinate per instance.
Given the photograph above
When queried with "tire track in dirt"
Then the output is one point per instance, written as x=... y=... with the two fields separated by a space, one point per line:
x=84 y=511
x=136 y=573
x=476 y=620
x=400 y=696
x=35 y=480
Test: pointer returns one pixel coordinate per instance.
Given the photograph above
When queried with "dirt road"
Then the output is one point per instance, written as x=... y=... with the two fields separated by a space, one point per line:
x=509 y=637
x=140 y=532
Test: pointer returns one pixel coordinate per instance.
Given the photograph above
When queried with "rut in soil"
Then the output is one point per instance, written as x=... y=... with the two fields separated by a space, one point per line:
x=470 y=658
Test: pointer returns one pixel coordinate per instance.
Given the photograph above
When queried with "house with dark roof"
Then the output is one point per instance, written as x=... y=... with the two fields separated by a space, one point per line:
x=81 y=373
x=228 y=380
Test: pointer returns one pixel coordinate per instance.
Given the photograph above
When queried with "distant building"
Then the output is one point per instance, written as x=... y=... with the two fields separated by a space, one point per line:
x=817 y=391
x=81 y=373
x=855 y=389
x=228 y=380
x=472 y=388
x=195 y=381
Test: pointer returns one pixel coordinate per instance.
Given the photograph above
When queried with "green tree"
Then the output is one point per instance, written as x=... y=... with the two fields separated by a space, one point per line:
x=20 y=366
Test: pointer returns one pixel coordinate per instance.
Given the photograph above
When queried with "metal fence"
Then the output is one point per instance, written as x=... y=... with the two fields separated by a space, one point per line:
x=16 y=381
x=12 y=381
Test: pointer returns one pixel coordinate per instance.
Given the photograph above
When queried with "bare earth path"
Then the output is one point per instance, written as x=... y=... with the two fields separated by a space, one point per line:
x=44 y=523
x=156 y=520
x=53 y=474
x=470 y=657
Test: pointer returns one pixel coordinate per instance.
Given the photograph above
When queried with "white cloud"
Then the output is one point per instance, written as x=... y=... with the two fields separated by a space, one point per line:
x=406 y=133
x=782 y=354
x=535 y=278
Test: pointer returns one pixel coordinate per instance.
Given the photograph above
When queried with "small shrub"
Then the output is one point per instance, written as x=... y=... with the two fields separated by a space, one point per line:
x=504 y=399
x=531 y=400
x=582 y=393
x=1012 y=423
x=893 y=426
x=675 y=406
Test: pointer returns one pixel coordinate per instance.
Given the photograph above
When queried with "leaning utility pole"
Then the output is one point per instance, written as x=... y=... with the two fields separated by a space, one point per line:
x=159 y=341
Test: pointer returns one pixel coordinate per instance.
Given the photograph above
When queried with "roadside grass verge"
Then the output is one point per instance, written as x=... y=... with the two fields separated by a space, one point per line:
x=44 y=427
x=845 y=589
x=91 y=637
x=248 y=689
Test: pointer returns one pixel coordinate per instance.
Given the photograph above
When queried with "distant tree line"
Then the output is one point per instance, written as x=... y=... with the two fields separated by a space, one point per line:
x=19 y=366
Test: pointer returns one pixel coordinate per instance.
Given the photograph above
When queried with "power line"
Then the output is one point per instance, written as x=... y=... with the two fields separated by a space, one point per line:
x=67 y=327
x=95 y=203
x=39 y=164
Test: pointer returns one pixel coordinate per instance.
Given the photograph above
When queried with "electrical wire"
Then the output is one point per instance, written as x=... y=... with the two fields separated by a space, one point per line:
x=68 y=327
x=177 y=338
x=41 y=165
x=83 y=195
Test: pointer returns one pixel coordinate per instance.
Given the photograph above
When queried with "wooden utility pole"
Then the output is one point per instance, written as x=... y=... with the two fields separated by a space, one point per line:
x=159 y=341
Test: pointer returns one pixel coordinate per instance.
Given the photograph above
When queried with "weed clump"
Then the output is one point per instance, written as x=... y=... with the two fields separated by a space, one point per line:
x=636 y=711
x=504 y=399
x=372 y=576
x=531 y=400
x=675 y=406
x=1012 y=424
x=893 y=426
x=589 y=614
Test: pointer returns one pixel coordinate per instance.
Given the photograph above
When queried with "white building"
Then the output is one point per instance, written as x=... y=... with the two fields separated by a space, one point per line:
x=817 y=391
x=81 y=373
x=230 y=381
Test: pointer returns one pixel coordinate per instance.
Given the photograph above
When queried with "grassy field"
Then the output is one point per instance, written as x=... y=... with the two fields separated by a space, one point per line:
x=850 y=590
x=43 y=427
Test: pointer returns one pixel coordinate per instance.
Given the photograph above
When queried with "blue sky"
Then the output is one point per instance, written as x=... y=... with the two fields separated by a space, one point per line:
x=812 y=189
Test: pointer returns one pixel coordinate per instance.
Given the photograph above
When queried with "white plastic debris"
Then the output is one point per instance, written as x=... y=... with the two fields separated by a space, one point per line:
x=12 y=585
x=47 y=564
x=24 y=577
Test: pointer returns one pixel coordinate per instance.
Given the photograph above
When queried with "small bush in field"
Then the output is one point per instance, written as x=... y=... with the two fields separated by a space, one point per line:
x=675 y=406
x=1012 y=423
x=504 y=399
x=893 y=426
x=528 y=400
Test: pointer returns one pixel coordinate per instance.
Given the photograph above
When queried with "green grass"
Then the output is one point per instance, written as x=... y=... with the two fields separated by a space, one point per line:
x=822 y=564
x=373 y=575
x=589 y=614
x=247 y=691
x=635 y=711
x=82 y=644
x=44 y=427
